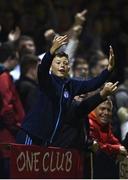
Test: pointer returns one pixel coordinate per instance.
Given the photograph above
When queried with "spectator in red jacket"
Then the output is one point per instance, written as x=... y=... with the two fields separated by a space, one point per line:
x=100 y=130
x=11 y=111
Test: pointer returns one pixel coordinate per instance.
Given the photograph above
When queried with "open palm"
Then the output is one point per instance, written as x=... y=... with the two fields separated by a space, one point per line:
x=111 y=59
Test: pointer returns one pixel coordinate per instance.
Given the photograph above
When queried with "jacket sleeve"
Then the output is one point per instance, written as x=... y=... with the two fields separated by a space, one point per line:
x=12 y=112
x=86 y=106
x=84 y=86
x=44 y=77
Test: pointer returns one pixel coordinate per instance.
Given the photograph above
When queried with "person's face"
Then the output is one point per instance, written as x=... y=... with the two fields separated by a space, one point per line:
x=60 y=66
x=81 y=70
x=103 y=112
x=27 y=47
x=13 y=61
x=103 y=64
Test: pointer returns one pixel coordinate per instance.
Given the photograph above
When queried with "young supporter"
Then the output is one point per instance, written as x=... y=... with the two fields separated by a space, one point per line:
x=56 y=94
x=11 y=111
x=100 y=130
x=110 y=150
x=75 y=129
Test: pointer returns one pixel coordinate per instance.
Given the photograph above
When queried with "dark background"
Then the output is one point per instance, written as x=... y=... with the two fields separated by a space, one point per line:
x=107 y=23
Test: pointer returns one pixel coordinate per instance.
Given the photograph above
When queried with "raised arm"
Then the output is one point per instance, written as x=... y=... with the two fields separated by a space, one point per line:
x=86 y=106
x=44 y=67
x=81 y=87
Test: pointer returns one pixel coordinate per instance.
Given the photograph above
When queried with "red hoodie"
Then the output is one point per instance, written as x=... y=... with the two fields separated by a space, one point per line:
x=11 y=111
x=104 y=136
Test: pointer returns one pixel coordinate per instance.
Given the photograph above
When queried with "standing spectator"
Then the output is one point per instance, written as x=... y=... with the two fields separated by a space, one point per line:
x=120 y=99
x=27 y=84
x=56 y=94
x=97 y=64
x=11 y=113
x=100 y=130
x=25 y=45
x=80 y=68
x=75 y=129
x=110 y=149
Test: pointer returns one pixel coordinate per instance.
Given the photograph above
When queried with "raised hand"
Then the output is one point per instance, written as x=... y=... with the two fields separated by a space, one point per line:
x=111 y=59
x=58 y=42
x=80 y=18
x=108 y=89
x=14 y=35
x=94 y=147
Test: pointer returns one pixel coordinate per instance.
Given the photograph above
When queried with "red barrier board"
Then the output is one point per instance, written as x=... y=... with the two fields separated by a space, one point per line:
x=35 y=162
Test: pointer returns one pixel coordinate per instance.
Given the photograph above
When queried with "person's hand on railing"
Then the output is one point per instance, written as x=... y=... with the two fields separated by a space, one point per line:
x=94 y=147
x=122 y=154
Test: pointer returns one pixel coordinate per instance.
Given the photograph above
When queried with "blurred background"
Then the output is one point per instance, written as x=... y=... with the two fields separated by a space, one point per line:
x=106 y=24
x=27 y=29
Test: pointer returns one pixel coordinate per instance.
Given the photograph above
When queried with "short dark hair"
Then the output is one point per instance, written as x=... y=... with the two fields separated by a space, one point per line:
x=28 y=61
x=62 y=54
x=25 y=38
x=7 y=49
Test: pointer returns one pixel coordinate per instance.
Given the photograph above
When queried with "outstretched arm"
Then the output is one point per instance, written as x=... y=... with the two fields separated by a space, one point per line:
x=86 y=106
x=44 y=67
x=81 y=87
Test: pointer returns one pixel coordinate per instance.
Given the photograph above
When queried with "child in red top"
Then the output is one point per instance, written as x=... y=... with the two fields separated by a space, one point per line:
x=100 y=130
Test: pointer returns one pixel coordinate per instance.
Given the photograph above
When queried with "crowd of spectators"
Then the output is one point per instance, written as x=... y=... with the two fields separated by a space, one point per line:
x=27 y=31
x=106 y=23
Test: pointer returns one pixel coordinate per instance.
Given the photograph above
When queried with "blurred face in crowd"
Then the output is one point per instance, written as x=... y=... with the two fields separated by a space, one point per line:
x=103 y=64
x=60 y=66
x=27 y=46
x=103 y=112
x=12 y=62
x=81 y=70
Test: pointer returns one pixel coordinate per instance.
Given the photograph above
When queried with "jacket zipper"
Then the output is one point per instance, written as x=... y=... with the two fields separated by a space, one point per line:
x=58 y=119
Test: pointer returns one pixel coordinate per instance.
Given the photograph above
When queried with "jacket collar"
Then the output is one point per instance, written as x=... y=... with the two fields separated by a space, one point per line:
x=60 y=80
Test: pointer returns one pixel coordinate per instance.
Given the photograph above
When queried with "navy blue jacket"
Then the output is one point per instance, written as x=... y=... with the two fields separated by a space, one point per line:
x=74 y=132
x=55 y=98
